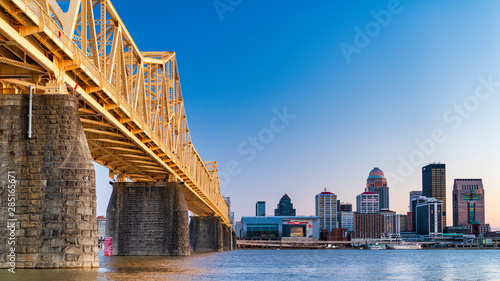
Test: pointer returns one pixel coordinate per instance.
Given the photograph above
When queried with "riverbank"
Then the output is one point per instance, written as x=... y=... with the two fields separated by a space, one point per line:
x=340 y=245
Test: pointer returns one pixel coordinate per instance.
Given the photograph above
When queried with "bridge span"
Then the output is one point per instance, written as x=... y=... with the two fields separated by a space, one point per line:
x=128 y=116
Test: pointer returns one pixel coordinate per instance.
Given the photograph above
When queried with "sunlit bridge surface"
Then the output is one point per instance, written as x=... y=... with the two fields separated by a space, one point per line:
x=130 y=102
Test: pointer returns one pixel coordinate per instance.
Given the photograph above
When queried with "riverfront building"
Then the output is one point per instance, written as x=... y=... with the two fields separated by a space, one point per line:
x=278 y=227
x=410 y=222
x=326 y=210
x=468 y=201
x=413 y=195
x=368 y=225
x=416 y=201
x=468 y=204
x=238 y=226
x=345 y=207
x=428 y=216
x=230 y=214
x=347 y=220
x=260 y=208
x=367 y=203
x=434 y=184
x=385 y=224
x=285 y=207
x=391 y=223
x=403 y=220
x=377 y=183
x=101 y=229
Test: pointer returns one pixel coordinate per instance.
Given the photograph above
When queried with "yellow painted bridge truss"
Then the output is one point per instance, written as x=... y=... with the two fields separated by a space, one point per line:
x=130 y=102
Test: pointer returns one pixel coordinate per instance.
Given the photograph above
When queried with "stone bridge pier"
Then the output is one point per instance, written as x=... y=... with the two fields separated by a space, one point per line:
x=208 y=234
x=151 y=218
x=148 y=219
x=47 y=185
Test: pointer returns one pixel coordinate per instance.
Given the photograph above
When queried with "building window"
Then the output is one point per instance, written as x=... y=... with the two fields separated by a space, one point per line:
x=262 y=230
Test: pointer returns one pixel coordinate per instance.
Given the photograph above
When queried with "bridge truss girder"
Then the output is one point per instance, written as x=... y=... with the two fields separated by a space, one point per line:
x=130 y=102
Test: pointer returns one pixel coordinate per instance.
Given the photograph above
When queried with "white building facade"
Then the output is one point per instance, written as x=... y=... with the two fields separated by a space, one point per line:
x=326 y=210
x=367 y=203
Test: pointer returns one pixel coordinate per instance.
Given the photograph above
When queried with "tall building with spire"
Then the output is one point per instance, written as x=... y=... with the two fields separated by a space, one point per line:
x=377 y=183
x=285 y=207
x=326 y=210
x=434 y=184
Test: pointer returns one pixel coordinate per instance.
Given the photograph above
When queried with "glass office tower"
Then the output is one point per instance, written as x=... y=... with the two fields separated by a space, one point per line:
x=434 y=184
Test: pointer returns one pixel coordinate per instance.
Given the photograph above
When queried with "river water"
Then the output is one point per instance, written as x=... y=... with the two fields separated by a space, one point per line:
x=288 y=265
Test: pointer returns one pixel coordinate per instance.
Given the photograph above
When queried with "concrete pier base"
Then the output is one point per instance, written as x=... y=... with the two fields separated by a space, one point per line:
x=226 y=237
x=148 y=219
x=47 y=185
x=233 y=241
x=207 y=234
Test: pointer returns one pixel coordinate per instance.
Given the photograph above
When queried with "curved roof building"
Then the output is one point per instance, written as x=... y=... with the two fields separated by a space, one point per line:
x=377 y=183
x=376 y=178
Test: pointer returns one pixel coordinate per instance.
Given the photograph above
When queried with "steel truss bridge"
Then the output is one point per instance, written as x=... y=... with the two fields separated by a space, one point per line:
x=130 y=102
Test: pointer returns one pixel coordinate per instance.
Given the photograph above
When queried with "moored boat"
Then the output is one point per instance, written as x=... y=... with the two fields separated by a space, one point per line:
x=405 y=246
x=376 y=246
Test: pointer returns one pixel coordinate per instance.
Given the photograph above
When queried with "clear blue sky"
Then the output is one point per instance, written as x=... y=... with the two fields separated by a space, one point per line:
x=405 y=78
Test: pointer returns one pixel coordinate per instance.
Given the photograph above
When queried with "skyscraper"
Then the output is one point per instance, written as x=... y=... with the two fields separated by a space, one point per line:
x=413 y=195
x=413 y=206
x=326 y=210
x=429 y=216
x=403 y=222
x=411 y=223
x=367 y=203
x=285 y=207
x=347 y=220
x=342 y=207
x=345 y=207
x=434 y=184
x=101 y=230
x=377 y=183
x=260 y=209
x=468 y=202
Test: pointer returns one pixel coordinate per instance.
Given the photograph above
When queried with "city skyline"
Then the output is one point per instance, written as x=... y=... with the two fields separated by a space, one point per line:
x=412 y=194
x=291 y=113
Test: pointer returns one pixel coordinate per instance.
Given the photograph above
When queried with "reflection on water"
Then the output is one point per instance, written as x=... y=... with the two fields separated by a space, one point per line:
x=156 y=267
x=193 y=267
x=287 y=265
